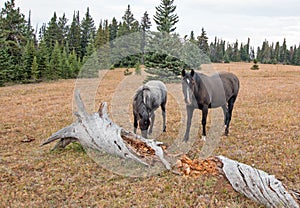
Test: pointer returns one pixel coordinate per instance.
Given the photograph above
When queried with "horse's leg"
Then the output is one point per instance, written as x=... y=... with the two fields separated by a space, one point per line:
x=163 y=109
x=190 y=111
x=152 y=117
x=135 y=123
x=230 y=108
x=204 y=117
x=225 y=112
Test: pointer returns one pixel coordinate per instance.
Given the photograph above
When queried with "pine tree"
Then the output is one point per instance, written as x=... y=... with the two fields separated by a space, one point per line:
x=236 y=56
x=88 y=31
x=252 y=54
x=265 y=56
x=27 y=59
x=126 y=49
x=276 y=52
x=35 y=73
x=213 y=50
x=13 y=33
x=294 y=55
x=65 y=70
x=52 y=33
x=102 y=45
x=29 y=30
x=243 y=52
x=42 y=58
x=91 y=65
x=102 y=35
x=258 y=54
x=145 y=26
x=219 y=51
x=297 y=61
x=192 y=37
x=131 y=24
x=113 y=29
x=13 y=25
x=228 y=56
x=6 y=64
x=202 y=42
x=283 y=53
x=53 y=70
x=74 y=64
x=167 y=56
x=165 y=17
x=74 y=36
x=248 y=50
x=42 y=32
x=63 y=29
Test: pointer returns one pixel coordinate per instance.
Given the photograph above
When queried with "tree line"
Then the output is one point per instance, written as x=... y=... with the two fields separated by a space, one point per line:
x=58 y=49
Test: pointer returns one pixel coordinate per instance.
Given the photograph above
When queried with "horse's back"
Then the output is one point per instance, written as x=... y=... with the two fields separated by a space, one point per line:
x=158 y=92
x=231 y=84
x=221 y=87
x=156 y=84
x=157 y=87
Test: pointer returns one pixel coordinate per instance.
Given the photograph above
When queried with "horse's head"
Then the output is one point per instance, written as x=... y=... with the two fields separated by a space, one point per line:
x=188 y=86
x=144 y=122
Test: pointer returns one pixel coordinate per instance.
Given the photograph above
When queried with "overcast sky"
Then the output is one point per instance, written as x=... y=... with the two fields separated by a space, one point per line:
x=230 y=20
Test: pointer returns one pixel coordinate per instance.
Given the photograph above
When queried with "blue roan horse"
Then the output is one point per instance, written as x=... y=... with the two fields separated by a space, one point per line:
x=146 y=100
x=203 y=92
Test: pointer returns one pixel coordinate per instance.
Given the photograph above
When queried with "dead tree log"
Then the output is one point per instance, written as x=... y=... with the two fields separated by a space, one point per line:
x=255 y=184
x=258 y=185
x=99 y=132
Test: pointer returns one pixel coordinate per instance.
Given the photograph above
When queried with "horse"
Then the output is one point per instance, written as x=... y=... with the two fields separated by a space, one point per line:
x=147 y=99
x=204 y=92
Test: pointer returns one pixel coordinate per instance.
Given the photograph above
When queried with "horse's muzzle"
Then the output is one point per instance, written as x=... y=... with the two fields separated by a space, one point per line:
x=144 y=133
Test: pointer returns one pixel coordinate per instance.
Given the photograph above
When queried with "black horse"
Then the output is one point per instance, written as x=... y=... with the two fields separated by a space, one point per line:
x=203 y=92
x=146 y=100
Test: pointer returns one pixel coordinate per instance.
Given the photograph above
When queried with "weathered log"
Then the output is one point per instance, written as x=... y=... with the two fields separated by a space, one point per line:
x=98 y=132
x=258 y=185
x=255 y=184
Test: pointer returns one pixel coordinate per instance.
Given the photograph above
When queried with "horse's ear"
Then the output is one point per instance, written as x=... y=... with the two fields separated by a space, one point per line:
x=192 y=72
x=183 y=72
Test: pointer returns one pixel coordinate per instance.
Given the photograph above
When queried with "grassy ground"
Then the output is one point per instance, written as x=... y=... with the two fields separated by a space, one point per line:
x=265 y=133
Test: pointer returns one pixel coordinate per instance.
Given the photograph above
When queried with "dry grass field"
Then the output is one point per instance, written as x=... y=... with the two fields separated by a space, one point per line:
x=264 y=133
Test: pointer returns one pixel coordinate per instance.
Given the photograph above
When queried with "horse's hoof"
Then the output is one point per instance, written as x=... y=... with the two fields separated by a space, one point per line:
x=185 y=139
x=204 y=138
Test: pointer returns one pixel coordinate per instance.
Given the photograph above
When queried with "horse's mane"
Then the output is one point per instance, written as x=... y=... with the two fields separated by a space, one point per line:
x=138 y=98
x=139 y=93
x=149 y=96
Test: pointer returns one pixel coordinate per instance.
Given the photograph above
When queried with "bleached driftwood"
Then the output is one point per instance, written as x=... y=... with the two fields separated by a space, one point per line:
x=97 y=131
x=258 y=185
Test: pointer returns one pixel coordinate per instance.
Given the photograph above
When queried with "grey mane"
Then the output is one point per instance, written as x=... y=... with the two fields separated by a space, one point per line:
x=139 y=100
